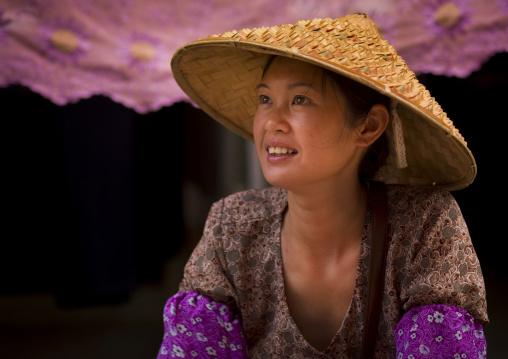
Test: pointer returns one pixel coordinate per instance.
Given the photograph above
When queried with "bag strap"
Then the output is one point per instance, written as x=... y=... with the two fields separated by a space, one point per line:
x=378 y=203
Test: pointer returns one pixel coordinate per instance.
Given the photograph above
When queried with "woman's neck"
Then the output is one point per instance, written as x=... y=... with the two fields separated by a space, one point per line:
x=326 y=222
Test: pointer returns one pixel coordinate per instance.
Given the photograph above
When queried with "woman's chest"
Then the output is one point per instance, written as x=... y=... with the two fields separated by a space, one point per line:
x=318 y=300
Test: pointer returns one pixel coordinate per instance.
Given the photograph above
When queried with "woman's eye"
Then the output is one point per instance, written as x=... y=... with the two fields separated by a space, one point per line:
x=300 y=100
x=264 y=99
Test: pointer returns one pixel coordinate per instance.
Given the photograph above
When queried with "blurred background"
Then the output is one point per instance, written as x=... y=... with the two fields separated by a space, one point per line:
x=109 y=171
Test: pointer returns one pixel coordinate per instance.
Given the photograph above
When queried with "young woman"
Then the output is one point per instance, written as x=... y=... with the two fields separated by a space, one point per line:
x=283 y=271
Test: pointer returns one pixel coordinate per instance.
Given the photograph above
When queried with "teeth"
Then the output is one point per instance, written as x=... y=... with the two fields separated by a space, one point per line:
x=280 y=150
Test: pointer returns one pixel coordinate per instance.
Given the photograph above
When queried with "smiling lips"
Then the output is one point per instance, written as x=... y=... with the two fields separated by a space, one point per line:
x=280 y=151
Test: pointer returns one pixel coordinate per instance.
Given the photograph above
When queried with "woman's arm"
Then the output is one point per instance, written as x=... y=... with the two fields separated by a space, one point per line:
x=444 y=293
x=439 y=331
x=197 y=327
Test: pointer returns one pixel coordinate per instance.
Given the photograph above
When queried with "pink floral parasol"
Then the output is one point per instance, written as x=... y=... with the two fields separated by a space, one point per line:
x=67 y=50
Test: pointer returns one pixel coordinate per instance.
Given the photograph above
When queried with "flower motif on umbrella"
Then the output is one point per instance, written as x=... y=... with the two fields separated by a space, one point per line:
x=63 y=40
x=143 y=52
x=447 y=17
x=452 y=46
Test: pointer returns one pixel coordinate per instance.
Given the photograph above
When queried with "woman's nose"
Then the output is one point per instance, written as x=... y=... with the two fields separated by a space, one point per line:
x=277 y=120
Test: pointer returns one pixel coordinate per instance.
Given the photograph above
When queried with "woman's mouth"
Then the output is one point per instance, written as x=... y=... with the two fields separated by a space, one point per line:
x=280 y=151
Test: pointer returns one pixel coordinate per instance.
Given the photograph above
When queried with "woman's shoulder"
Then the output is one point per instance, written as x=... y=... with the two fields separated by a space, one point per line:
x=402 y=198
x=419 y=214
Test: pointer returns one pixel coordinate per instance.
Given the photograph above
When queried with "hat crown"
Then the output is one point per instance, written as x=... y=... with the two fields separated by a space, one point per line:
x=353 y=42
x=220 y=73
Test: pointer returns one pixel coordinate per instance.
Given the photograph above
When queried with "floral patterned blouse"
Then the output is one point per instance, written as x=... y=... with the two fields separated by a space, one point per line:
x=434 y=293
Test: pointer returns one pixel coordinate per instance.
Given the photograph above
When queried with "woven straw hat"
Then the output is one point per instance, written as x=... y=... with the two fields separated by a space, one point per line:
x=220 y=73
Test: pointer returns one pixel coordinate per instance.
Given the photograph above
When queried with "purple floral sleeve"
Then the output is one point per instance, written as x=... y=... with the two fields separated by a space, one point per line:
x=197 y=327
x=439 y=331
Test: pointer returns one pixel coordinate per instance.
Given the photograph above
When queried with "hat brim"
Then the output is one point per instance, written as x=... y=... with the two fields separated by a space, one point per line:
x=220 y=76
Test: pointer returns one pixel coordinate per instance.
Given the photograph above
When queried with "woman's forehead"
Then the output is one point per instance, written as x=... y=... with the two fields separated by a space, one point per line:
x=295 y=72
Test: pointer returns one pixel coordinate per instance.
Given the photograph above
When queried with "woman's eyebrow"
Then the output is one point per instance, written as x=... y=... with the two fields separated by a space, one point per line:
x=262 y=85
x=307 y=85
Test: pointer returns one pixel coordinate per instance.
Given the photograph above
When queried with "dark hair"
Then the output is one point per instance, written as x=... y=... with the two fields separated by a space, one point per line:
x=359 y=101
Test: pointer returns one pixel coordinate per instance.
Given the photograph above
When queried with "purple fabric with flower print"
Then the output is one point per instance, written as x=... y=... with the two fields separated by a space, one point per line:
x=439 y=331
x=198 y=327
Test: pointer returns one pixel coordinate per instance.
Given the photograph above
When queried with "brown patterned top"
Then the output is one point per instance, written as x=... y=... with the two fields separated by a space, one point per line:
x=430 y=260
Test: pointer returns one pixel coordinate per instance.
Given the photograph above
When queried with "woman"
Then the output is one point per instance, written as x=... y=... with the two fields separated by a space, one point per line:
x=284 y=271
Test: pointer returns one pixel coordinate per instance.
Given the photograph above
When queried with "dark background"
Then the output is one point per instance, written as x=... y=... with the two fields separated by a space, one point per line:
x=93 y=207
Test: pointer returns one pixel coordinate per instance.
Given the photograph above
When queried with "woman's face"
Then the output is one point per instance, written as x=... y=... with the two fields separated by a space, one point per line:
x=300 y=131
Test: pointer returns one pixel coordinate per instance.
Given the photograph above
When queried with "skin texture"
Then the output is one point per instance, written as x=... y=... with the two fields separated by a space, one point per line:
x=301 y=110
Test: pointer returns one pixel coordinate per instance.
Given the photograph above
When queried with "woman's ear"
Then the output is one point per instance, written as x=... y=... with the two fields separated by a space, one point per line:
x=374 y=125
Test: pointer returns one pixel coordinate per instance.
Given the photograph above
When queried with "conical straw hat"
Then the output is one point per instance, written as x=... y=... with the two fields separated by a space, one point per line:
x=220 y=74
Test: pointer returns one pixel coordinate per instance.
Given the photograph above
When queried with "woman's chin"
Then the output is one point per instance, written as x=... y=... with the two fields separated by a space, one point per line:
x=276 y=181
x=285 y=181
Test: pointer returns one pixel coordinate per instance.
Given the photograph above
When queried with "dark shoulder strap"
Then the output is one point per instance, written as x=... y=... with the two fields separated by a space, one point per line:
x=379 y=212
